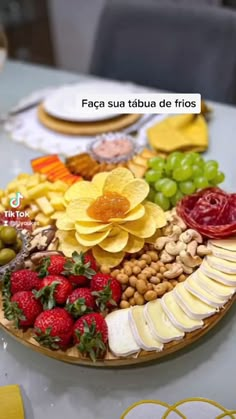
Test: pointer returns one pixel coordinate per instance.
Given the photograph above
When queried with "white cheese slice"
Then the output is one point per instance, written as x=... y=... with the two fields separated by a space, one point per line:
x=222 y=265
x=223 y=278
x=177 y=316
x=120 y=337
x=196 y=289
x=227 y=244
x=160 y=325
x=221 y=253
x=215 y=288
x=191 y=305
x=141 y=330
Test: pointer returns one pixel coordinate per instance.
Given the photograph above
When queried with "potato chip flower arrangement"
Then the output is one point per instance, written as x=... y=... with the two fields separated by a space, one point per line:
x=108 y=215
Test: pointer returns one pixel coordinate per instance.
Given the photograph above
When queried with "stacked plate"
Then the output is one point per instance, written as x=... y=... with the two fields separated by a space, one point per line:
x=60 y=111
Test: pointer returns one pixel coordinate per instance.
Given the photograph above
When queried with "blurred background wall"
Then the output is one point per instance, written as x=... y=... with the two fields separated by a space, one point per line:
x=61 y=32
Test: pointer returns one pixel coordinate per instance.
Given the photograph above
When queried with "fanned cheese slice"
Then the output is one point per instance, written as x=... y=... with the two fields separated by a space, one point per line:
x=177 y=316
x=191 y=305
x=160 y=325
x=227 y=244
x=196 y=289
x=215 y=288
x=141 y=331
x=222 y=265
x=120 y=337
x=223 y=278
x=221 y=253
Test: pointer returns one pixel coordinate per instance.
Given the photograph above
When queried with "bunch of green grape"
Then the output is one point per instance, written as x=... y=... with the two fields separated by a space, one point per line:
x=180 y=174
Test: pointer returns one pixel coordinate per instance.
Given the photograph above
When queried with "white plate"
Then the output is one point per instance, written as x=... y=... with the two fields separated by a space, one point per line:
x=63 y=103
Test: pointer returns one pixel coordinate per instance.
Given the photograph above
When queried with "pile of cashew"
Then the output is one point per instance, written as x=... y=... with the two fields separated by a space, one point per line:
x=181 y=248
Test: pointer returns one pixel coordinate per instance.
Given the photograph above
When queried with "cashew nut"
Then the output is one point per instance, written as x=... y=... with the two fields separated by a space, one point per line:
x=187 y=270
x=166 y=257
x=161 y=242
x=203 y=250
x=175 y=248
x=189 y=260
x=37 y=257
x=192 y=247
x=167 y=230
x=176 y=231
x=175 y=271
x=189 y=235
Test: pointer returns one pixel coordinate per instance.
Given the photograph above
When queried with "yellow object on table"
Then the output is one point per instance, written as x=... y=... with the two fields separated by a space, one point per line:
x=180 y=132
x=11 y=404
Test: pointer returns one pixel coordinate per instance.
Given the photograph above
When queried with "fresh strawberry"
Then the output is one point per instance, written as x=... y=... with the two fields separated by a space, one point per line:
x=23 y=280
x=80 y=302
x=91 y=335
x=52 y=265
x=54 y=289
x=80 y=268
x=106 y=290
x=54 y=328
x=23 y=308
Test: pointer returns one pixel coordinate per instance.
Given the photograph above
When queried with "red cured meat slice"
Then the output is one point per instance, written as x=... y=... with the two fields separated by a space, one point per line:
x=211 y=211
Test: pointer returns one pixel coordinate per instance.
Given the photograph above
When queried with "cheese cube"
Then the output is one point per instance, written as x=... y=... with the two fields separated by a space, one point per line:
x=45 y=206
x=42 y=219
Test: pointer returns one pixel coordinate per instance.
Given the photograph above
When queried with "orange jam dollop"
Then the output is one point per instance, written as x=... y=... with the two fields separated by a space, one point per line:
x=110 y=205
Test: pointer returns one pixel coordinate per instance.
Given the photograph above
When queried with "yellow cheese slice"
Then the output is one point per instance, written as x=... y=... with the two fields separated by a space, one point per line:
x=215 y=288
x=222 y=265
x=141 y=331
x=11 y=403
x=120 y=337
x=221 y=253
x=196 y=289
x=159 y=323
x=177 y=316
x=191 y=305
x=215 y=274
x=227 y=244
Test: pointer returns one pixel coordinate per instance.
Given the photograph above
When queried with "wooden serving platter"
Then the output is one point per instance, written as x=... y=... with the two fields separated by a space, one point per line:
x=74 y=357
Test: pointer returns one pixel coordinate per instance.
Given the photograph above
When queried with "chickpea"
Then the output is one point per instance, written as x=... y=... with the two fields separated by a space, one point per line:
x=147 y=258
x=139 y=299
x=160 y=276
x=124 y=304
x=115 y=273
x=163 y=269
x=152 y=270
x=132 y=281
x=182 y=278
x=123 y=296
x=136 y=270
x=129 y=292
x=168 y=266
x=160 y=264
x=132 y=301
x=149 y=286
x=141 y=286
x=142 y=263
x=155 y=266
x=122 y=278
x=169 y=286
x=160 y=289
x=147 y=273
x=150 y=295
x=128 y=270
x=105 y=269
x=142 y=276
x=153 y=255
x=155 y=280
x=173 y=282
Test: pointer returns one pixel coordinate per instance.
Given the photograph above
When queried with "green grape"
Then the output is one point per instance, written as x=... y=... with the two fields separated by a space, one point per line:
x=187 y=160
x=197 y=170
x=169 y=188
x=210 y=171
x=159 y=183
x=152 y=175
x=176 y=198
x=201 y=182
x=173 y=160
x=162 y=201
x=156 y=163
x=151 y=195
x=212 y=163
x=220 y=177
x=182 y=173
x=187 y=187
x=197 y=159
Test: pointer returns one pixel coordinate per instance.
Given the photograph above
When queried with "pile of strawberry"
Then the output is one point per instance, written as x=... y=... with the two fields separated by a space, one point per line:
x=65 y=301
